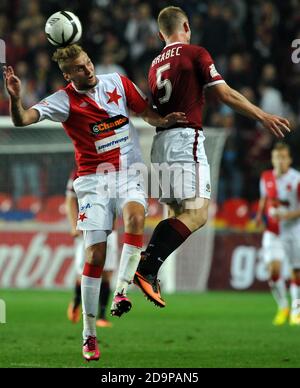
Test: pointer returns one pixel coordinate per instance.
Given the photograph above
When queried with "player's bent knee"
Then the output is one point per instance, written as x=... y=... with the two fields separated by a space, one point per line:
x=96 y=254
x=134 y=223
x=199 y=219
x=275 y=272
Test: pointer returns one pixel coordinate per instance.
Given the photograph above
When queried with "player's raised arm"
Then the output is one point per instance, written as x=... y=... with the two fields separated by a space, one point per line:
x=154 y=119
x=276 y=124
x=20 y=116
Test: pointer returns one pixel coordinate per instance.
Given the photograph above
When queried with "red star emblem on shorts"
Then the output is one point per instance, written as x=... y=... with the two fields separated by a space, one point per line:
x=113 y=97
x=82 y=217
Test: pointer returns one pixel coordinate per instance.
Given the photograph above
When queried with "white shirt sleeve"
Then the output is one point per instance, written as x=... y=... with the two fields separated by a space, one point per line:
x=55 y=107
x=262 y=188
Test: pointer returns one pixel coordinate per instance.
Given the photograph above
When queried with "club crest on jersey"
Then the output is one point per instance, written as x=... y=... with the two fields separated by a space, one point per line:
x=109 y=124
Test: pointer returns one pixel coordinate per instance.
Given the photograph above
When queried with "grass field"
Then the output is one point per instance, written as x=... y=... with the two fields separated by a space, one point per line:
x=206 y=330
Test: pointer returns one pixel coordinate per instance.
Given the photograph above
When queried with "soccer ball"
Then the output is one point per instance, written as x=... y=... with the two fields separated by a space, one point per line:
x=63 y=28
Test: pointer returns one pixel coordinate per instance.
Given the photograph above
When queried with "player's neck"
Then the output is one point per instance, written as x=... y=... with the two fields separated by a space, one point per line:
x=279 y=173
x=177 y=38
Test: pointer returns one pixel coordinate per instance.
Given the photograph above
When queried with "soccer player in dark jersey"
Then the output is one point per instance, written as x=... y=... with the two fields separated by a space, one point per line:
x=178 y=78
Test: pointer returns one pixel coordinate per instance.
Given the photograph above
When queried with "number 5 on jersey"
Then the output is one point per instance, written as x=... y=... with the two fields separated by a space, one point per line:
x=164 y=84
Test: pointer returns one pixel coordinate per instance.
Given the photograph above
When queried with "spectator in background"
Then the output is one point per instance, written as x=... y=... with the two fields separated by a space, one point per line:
x=271 y=98
x=140 y=27
x=33 y=20
x=108 y=65
x=239 y=71
x=15 y=47
x=216 y=35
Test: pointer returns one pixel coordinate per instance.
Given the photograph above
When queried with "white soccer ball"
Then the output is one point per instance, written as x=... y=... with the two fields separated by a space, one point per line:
x=63 y=28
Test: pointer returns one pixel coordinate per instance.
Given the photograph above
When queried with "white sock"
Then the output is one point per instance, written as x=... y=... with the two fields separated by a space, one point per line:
x=130 y=259
x=90 y=289
x=295 y=294
x=279 y=293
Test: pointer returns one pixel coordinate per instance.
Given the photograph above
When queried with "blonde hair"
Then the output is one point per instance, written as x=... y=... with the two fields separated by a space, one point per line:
x=169 y=18
x=280 y=146
x=64 y=54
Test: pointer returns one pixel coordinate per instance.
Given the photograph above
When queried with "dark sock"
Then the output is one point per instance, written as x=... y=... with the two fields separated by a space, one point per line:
x=167 y=237
x=103 y=299
x=77 y=295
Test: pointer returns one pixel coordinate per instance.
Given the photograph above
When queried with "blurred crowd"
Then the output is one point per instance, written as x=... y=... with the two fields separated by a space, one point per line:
x=250 y=42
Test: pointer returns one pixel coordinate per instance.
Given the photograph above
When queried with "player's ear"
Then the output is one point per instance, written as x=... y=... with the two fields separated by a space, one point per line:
x=186 y=27
x=67 y=77
x=161 y=37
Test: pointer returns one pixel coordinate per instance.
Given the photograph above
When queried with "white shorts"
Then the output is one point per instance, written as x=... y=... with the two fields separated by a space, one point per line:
x=180 y=164
x=273 y=249
x=102 y=196
x=112 y=253
x=291 y=246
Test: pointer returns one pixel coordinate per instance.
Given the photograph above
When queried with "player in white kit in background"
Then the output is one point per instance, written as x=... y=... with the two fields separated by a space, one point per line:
x=280 y=202
x=111 y=262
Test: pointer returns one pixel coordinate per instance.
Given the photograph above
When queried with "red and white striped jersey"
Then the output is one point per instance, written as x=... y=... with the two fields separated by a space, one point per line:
x=282 y=194
x=97 y=121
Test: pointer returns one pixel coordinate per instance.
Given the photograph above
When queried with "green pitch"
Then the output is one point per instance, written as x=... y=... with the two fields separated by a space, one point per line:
x=206 y=330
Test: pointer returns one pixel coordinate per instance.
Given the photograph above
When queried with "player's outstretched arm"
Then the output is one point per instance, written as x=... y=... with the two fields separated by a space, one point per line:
x=154 y=119
x=20 y=116
x=276 y=124
x=260 y=211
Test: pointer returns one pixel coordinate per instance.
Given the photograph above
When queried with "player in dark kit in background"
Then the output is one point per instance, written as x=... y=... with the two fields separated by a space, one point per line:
x=178 y=78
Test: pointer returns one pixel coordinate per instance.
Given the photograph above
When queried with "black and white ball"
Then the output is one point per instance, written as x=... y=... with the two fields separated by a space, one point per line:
x=63 y=28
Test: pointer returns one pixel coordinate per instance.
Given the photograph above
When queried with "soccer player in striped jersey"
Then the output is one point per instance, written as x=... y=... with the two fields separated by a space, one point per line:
x=280 y=203
x=94 y=111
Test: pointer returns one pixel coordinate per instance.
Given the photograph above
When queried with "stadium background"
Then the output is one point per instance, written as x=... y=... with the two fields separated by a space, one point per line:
x=251 y=44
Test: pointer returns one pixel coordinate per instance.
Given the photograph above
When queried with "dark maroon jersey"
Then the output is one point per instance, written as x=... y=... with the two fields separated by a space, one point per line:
x=177 y=79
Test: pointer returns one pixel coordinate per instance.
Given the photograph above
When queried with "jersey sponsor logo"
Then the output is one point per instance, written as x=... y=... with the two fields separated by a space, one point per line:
x=213 y=71
x=110 y=124
x=112 y=142
x=86 y=207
